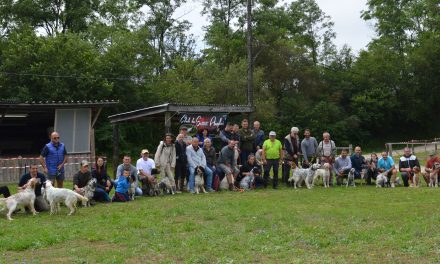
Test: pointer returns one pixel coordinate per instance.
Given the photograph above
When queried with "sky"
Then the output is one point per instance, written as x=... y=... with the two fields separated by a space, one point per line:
x=349 y=27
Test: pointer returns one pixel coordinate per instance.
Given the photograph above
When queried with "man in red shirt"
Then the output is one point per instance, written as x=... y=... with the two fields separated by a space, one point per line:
x=430 y=164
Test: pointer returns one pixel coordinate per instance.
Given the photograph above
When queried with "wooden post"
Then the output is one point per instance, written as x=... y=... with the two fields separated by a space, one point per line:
x=350 y=149
x=167 y=122
x=115 y=148
x=92 y=144
x=390 y=149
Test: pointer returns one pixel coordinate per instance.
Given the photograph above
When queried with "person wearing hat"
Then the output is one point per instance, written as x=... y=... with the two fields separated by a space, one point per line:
x=430 y=165
x=165 y=159
x=82 y=177
x=186 y=138
x=291 y=151
x=272 y=156
x=144 y=166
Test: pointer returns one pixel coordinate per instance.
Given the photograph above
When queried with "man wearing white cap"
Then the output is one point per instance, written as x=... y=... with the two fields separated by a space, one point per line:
x=145 y=165
x=272 y=156
x=291 y=150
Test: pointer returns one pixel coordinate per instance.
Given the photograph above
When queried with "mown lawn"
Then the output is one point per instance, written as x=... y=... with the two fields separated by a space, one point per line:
x=338 y=225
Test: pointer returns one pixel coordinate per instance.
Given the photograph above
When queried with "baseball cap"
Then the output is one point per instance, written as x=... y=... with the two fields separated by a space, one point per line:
x=294 y=129
x=84 y=163
x=144 y=151
x=432 y=153
x=183 y=128
x=272 y=133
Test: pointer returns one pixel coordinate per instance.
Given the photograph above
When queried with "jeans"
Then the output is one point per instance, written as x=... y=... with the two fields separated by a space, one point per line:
x=271 y=163
x=5 y=191
x=191 y=183
x=101 y=195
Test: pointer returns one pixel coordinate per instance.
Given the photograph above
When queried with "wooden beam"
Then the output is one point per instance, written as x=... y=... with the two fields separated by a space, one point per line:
x=96 y=117
x=115 y=148
x=167 y=122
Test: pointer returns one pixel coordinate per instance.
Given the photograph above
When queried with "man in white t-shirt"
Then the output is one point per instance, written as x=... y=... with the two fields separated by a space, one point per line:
x=144 y=166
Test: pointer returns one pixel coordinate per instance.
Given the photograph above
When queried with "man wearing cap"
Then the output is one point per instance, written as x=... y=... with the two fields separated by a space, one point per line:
x=430 y=165
x=145 y=165
x=40 y=203
x=272 y=156
x=406 y=165
x=82 y=177
x=291 y=150
x=52 y=158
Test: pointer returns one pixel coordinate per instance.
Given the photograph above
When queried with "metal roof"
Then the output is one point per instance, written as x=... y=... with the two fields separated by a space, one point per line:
x=8 y=103
x=154 y=111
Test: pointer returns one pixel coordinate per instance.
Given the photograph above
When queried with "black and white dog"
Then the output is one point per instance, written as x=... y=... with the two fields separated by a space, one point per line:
x=89 y=191
x=199 y=184
x=248 y=182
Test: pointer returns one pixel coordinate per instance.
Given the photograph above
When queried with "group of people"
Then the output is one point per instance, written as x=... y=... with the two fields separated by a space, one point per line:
x=244 y=150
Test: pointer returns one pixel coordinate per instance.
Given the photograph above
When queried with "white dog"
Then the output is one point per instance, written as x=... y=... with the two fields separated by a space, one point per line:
x=199 y=184
x=350 y=177
x=323 y=173
x=25 y=198
x=300 y=175
x=57 y=195
x=132 y=189
x=381 y=179
x=224 y=184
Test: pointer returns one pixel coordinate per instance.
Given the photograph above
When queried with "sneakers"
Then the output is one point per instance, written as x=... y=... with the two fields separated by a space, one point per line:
x=210 y=190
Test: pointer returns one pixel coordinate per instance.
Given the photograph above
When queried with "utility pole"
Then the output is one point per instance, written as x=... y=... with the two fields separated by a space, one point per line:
x=250 y=72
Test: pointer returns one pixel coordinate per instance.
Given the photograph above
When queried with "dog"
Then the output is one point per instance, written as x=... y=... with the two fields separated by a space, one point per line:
x=224 y=184
x=57 y=195
x=165 y=186
x=433 y=175
x=416 y=177
x=323 y=173
x=364 y=172
x=382 y=180
x=299 y=175
x=89 y=191
x=25 y=198
x=248 y=182
x=132 y=189
x=199 y=182
x=350 y=177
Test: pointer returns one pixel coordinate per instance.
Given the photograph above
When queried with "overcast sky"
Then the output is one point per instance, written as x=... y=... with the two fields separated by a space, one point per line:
x=349 y=27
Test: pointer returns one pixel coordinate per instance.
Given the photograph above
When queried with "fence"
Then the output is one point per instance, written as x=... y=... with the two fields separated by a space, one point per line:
x=11 y=169
x=416 y=146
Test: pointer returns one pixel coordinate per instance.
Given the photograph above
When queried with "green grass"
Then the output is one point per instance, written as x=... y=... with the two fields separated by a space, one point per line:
x=338 y=225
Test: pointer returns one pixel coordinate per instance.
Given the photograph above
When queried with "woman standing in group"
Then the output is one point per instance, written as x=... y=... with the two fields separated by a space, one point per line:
x=165 y=159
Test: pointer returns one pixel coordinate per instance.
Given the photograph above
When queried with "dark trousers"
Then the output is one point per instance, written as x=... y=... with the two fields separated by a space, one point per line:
x=405 y=177
x=371 y=174
x=5 y=191
x=271 y=163
x=244 y=156
x=339 y=179
x=180 y=174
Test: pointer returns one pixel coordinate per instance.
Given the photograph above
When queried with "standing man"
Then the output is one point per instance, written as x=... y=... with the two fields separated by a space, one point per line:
x=247 y=138
x=308 y=148
x=406 y=165
x=186 y=138
x=227 y=163
x=52 y=158
x=326 y=152
x=272 y=156
x=226 y=134
x=181 y=170
x=259 y=136
x=40 y=203
x=291 y=150
x=145 y=165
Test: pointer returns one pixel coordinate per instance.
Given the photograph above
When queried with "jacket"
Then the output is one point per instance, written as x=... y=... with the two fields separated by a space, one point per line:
x=290 y=149
x=195 y=158
x=165 y=154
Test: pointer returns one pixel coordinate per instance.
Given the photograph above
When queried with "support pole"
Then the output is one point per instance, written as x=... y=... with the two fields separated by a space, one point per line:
x=250 y=73
x=167 y=122
x=115 y=148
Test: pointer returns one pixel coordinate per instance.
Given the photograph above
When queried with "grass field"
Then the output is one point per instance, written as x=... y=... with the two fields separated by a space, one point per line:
x=338 y=225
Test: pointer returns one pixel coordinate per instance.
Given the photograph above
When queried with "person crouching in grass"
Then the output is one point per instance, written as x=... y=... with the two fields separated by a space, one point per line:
x=122 y=186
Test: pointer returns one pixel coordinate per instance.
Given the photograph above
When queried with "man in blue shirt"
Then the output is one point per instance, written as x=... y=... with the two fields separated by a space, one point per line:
x=386 y=164
x=52 y=158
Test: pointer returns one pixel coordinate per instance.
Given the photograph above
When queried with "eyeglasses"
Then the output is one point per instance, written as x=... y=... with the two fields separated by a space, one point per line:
x=56 y=138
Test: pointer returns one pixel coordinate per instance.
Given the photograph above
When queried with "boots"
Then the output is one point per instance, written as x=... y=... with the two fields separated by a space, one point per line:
x=231 y=186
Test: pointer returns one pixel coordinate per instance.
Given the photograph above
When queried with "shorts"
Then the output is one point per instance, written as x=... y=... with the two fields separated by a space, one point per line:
x=227 y=170
x=58 y=176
